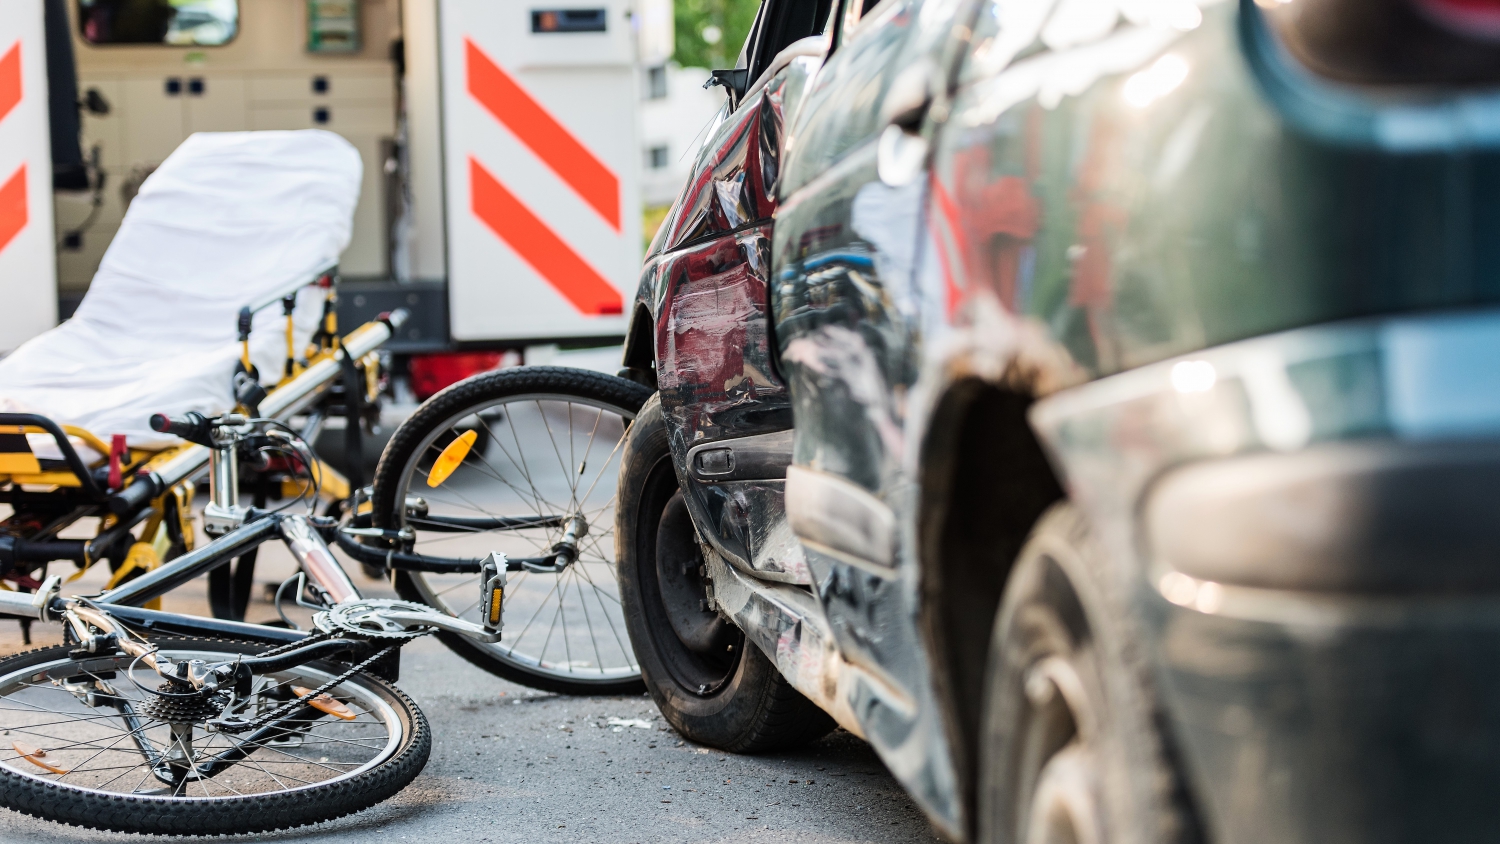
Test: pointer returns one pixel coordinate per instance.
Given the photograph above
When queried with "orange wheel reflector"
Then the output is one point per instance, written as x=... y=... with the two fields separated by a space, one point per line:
x=36 y=756
x=326 y=704
x=453 y=455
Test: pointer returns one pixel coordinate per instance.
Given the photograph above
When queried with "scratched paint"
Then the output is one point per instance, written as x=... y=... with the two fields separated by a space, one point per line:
x=708 y=291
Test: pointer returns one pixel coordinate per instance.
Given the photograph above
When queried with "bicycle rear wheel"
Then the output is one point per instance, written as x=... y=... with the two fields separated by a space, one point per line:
x=545 y=447
x=93 y=742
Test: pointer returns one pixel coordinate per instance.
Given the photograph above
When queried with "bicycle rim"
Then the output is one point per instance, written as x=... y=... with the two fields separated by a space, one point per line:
x=68 y=722
x=536 y=455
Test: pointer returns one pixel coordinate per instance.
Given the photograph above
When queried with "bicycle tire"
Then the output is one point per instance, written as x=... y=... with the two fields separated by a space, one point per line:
x=46 y=796
x=434 y=423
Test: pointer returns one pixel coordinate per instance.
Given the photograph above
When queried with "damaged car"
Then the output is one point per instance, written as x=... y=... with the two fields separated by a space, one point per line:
x=1093 y=405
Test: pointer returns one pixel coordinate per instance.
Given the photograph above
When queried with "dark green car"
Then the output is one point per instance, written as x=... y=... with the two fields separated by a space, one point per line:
x=1095 y=404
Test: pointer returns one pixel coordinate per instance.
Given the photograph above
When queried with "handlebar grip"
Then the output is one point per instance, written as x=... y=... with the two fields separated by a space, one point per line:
x=191 y=426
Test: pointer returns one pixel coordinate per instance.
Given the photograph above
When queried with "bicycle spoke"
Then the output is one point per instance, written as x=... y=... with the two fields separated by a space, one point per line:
x=97 y=752
x=506 y=478
x=550 y=628
x=599 y=658
x=533 y=616
x=608 y=616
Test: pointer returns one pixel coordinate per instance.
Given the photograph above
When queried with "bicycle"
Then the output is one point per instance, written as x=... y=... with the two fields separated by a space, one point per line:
x=154 y=722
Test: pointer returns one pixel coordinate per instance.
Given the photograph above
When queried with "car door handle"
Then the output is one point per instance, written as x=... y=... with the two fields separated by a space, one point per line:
x=900 y=156
x=910 y=97
x=761 y=457
x=901 y=152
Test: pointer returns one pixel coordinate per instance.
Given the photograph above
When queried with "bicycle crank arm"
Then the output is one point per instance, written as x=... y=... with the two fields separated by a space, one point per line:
x=443 y=621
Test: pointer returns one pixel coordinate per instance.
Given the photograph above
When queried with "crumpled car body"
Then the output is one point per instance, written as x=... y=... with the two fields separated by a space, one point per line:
x=1217 y=273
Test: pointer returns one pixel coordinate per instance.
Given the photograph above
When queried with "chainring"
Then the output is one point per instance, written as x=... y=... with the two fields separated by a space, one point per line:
x=363 y=618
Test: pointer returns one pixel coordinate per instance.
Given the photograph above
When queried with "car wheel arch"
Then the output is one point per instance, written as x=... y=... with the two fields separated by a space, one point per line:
x=985 y=482
x=639 y=356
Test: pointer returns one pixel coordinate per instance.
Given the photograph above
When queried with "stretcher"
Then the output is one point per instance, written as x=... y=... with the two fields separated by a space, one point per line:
x=216 y=295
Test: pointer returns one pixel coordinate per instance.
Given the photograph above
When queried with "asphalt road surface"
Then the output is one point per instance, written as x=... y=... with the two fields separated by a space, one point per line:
x=509 y=764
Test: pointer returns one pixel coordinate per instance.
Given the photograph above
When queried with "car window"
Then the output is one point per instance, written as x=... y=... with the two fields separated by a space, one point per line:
x=842 y=110
x=851 y=13
x=174 y=23
x=750 y=40
x=1004 y=31
x=782 y=22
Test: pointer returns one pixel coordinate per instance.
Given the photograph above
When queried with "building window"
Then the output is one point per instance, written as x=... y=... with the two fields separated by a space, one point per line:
x=656 y=158
x=656 y=83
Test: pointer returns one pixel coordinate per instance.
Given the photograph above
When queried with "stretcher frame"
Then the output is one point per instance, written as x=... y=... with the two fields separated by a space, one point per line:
x=133 y=487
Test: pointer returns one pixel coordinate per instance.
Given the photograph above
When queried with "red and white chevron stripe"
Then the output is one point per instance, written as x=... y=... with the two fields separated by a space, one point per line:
x=28 y=273
x=543 y=220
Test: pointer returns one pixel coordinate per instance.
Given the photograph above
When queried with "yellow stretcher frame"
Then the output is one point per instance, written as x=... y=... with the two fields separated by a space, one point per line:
x=21 y=469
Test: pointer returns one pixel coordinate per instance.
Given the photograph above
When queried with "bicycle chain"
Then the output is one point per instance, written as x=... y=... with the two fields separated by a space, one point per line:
x=286 y=708
x=293 y=645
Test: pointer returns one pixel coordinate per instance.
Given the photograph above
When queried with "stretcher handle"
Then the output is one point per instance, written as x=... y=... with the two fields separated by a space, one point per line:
x=285 y=398
x=75 y=463
x=287 y=290
x=145 y=487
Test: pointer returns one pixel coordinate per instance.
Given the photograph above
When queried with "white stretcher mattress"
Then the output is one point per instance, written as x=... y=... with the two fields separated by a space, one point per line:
x=228 y=218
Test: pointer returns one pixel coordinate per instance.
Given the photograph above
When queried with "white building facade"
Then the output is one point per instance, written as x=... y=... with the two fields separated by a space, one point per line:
x=674 y=118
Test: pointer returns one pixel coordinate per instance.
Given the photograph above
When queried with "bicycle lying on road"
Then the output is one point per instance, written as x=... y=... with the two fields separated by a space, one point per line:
x=156 y=722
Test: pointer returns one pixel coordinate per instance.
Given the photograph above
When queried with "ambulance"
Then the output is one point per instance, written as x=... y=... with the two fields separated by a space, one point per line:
x=500 y=201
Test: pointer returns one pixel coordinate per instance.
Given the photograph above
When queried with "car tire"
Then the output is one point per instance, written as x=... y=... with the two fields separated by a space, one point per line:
x=711 y=684
x=1072 y=745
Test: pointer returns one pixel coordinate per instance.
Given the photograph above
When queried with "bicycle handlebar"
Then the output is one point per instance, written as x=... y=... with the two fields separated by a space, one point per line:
x=191 y=426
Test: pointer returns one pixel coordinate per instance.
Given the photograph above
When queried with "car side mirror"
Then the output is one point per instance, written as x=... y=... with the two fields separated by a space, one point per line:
x=901 y=154
x=735 y=81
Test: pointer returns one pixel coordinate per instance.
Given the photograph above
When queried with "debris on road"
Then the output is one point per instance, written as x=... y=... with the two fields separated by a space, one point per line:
x=622 y=723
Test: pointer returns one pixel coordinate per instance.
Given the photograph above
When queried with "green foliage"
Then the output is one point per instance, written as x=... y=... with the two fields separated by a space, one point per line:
x=692 y=17
x=652 y=216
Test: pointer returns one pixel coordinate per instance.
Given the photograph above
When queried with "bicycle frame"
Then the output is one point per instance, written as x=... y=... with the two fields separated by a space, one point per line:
x=103 y=625
x=239 y=530
x=351 y=628
x=303 y=537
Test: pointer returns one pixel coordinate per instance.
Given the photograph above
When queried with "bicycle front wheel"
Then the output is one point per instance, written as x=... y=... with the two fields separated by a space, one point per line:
x=102 y=742
x=543 y=448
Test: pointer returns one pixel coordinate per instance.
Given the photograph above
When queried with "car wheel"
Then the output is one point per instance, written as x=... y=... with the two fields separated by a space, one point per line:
x=1072 y=746
x=712 y=685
